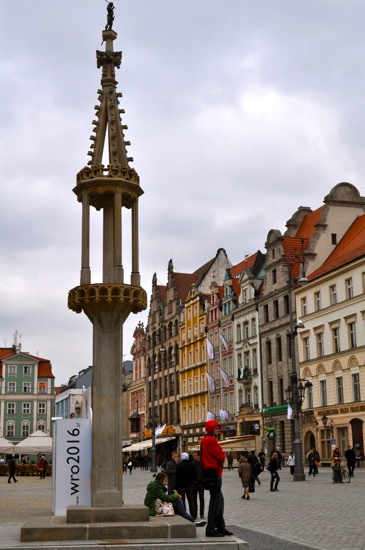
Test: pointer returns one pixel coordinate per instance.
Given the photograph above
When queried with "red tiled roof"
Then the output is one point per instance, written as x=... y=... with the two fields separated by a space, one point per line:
x=351 y=247
x=44 y=365
x=161 y=291
x=294 y=246
x=245 y=264
x=307 y=227
x=184 y=282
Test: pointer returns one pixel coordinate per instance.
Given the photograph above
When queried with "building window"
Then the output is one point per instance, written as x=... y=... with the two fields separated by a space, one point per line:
x=266 y=313
x=41 y=387
x=25 y=429
x=268 y=352
x=336 y=340
x=279 y=351
x=253 y=327
x=306 y=348
x=310 y=397
x=304 y=305
x=356 y=386
x=184 y=387
x=323 y=392
x=197 y=413
x=270 y=393
x=41 y=425
x=349 y=289
x=196 y=380
x=11 y=387
x=190 y=413
x=317 y=301
x=12 y=370
x=10 y=408
x=274 y=276
x=27 y=370
x=41 y=408
x=246 y=331
x=246 y=359
x=320 y=346
x=10 y=429
x=190 y=386
x=333 y=295
x=239 y=332
x=26 y=387
x=254 y=360
x=352 y=335
x=334 y=238
x=339 y=389
x=25 y=408
x=276 y=309
x=244 y=296
x=286 y=304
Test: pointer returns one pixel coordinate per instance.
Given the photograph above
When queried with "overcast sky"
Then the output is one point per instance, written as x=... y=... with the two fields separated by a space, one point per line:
x=238 y=112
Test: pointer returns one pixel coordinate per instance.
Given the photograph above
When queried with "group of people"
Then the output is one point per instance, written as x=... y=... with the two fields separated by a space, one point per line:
x=42 y=466
x=184 y=478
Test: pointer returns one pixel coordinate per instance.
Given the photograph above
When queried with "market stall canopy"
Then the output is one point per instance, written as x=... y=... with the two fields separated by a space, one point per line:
x=5 y=446
x=37 y=442
x=141 y=445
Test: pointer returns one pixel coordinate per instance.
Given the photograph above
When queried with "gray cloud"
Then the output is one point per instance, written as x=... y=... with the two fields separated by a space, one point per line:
x=238 y=112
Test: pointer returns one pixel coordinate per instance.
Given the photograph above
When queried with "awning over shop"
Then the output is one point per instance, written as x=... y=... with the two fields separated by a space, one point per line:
x=141 y=445
x=240 y=443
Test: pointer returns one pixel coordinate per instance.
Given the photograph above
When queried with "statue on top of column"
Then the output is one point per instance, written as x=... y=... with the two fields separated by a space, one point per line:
x=110 y=16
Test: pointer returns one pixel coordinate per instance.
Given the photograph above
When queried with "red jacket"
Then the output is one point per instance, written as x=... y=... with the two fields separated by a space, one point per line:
x=212 y=454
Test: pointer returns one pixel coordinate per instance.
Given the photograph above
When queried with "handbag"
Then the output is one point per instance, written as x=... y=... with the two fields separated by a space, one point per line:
x=163 y=508
x=210 y=478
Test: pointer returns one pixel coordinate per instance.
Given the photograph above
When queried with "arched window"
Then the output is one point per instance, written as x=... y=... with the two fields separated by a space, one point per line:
x=25 y=428
x=10 y=428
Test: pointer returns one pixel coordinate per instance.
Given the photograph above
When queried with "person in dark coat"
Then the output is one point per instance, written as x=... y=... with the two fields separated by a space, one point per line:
x=12 y=466
x=350 y=456
x=184 y=479
x=273 y=467
x=171 y=466
x=198 y=488
x=311 y=463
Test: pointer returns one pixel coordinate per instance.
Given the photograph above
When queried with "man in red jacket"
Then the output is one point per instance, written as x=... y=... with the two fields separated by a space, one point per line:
x=213 y=457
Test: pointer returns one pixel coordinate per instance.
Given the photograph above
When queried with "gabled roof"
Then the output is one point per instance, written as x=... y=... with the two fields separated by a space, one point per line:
x=295 y=246
x=245 y=264
x=350 y=248
x=184 y=282
x=44 y=365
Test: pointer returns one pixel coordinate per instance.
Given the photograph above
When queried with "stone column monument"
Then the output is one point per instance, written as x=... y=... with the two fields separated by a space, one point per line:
x=112 y=189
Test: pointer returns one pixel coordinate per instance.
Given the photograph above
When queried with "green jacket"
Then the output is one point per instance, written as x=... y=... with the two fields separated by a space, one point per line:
x=155 y=490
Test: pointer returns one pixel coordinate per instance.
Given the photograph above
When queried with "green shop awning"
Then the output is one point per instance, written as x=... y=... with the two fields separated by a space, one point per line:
x=280 y=409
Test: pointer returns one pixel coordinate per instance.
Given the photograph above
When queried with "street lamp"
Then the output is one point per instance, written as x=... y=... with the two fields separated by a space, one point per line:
x=325 y=420
x=295 y=392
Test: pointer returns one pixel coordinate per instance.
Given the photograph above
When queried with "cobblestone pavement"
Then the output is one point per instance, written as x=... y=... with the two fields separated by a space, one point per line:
x=315 y=514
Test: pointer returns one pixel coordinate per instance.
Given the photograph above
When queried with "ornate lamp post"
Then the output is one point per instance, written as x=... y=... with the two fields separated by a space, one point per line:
x=296 y=390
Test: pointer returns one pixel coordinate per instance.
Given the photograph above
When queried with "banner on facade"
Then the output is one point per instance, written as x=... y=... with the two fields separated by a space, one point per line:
x=71 y=464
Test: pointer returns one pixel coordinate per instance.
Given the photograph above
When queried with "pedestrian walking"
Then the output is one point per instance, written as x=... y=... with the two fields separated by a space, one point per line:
x=230 y=460
x=291 y=462
x=350 y=456
x=130 y=465
x=245 y=473
x=213 y=459
x=261 y=457
x=171 y=466
x=198 y=489
x=12 y=468
x=273 y=468
x=42 y=466
x=317 y=460
x=184 y=479
x=311 y=463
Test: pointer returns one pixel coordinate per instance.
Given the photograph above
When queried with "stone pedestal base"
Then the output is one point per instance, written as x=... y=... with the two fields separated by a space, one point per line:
x=86 y=523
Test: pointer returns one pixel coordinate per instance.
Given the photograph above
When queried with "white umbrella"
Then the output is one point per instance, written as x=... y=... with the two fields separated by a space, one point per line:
x=37 y=442
x=6 y=446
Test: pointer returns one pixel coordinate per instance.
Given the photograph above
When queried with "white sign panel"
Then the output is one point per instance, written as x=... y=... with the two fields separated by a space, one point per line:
x=71 y=464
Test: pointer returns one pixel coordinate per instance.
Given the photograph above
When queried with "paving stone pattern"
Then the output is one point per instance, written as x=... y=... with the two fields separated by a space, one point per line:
x=315 y=514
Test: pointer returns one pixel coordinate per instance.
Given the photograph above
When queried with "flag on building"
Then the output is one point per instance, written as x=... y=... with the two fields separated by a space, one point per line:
x=224 y=375
x=210 y=349
x=210 y=416
x=160 y=429
x=224 y=342
x=224 y=414
x=290 y=412
x=211 y=383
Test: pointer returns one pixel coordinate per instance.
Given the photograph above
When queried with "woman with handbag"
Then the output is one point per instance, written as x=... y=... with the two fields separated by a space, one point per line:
x=159 y=502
